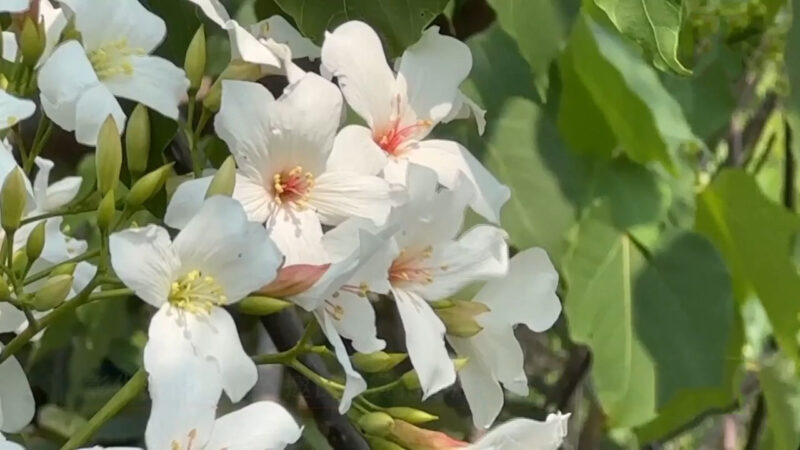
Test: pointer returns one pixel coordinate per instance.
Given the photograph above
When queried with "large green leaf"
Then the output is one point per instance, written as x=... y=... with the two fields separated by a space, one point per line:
x=539 y=28
x=398 y=22
x=657 y=324
x=778 y=379
x=647 y=122
x=653 y=24
x=756 y=237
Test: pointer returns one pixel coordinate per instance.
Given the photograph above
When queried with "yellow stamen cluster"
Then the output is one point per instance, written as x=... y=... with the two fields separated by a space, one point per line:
x=293 y=186
x=196 y=293
x=409 y=266
x=175 y=445
x=113 y=58
x=334 y=310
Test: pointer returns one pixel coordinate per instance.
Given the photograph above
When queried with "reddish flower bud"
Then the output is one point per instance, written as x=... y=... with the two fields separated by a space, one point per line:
x=294 y=279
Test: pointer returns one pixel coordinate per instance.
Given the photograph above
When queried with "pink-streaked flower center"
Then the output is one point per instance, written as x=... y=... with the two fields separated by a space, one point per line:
x=393 y=140
x=292 y=186
x=410 y=267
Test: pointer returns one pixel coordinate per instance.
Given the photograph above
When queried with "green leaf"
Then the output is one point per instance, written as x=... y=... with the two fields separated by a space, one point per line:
x=634 y=310
x=756 y=238
x=647 y=122
x=653 y=24
x=778 y=379
x=182 y=22
x=398 y=22
x=539 y=28
x=636 y=195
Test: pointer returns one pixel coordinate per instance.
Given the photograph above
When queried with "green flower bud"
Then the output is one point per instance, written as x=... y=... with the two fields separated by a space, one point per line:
x=148 y=186
x=53 y=293
x=379 y=443
x=137 y=140
x=258 y=305
x=35 y=243
x=236 y=70
x=63 y=269
x=19 y=263
x=376 y=423
x=459 y=317
x=224 y=180
x=13 y=199
x=377 y=361
x=5 y=291
x=410 y=415
x=108 y=157
x=105 y=211
x=195 y=62
x=31 y=41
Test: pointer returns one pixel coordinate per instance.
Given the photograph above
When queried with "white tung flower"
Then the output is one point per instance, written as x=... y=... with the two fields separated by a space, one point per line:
x=216 y=260
x=527 y=295
x=525 y=434
x=293 y=174
x=16 y=399
x=79 y=80
x=401 y=110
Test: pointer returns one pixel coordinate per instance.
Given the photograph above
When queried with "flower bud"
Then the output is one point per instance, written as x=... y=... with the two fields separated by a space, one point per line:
x=19 y=263
x=31 y=41
x=5 y=291
x=410 y=415
x=294 y=279
x=224 y=180
x=105 y=211
x=257 y=305
x=63 y=269
x=35 y=243
x=459 y=317
x=195 y=63
x=137 y=140
x=53 y=293
x=148 y=186
x=13 y=199
x=412 y=437
x=379 y=443
x=108 y=157
x=376 y=423
x=377 y=361
x=236 y=70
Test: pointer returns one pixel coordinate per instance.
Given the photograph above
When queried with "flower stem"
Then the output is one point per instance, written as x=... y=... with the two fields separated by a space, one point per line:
x=43 y=131
x=286 y=357
x=44 y=273
x=125 y=395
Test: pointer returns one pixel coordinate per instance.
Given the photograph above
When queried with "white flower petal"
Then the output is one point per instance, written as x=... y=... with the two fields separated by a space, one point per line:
x=16 y=398
x=450 y=160
x=425 y=342
x=433 y=217
x=184 y=387
x=107 y=22
x=256 y=200
x=248 y=48
x=53 y=196
x=353 y=54
x=433 y=68
x=261 y=425
x=355 y=151
x=62 y=79
x=10 y=318
x=337 y=196
x=155 y=82
x=354 y=384
x=214 y=10
x=280 y=30
x=13 y=109
x=10 y=47
x=525 y=434
x=242 y=122
x=479 y=254
x=92 y=109
x=186 y=201
x=215 y=336
x=54 y=21
x=220 y=242
x=298 y=235
x=481 y=388
x=527 y=294
x=8 y=445
x=354 y=319
x=465 y=107
x=143 y=259
x=303 y=123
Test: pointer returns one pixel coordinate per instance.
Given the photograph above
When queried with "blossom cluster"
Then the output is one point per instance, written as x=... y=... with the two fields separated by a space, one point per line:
x=330 y=218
